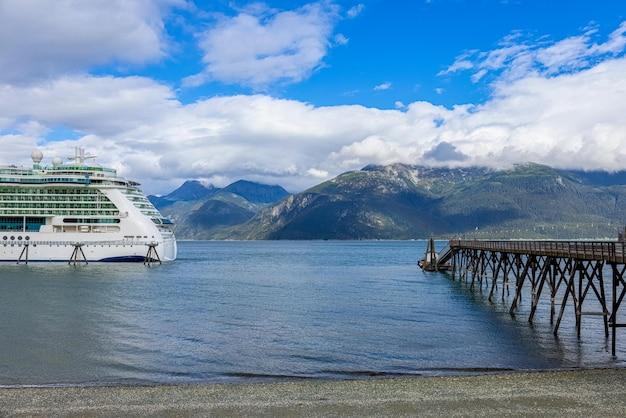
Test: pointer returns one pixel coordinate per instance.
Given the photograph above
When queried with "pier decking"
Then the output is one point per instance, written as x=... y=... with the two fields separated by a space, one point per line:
x=565 y=270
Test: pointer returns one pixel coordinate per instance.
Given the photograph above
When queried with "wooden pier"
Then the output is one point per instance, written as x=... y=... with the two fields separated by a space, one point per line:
x=555 y=272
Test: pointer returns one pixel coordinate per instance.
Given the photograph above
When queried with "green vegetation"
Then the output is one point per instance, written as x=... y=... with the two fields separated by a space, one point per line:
x=404 y=202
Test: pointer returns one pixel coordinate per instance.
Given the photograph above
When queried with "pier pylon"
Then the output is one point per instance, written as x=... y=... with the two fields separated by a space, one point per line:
x=152 y=256
x=77 y=254
x=23 y=255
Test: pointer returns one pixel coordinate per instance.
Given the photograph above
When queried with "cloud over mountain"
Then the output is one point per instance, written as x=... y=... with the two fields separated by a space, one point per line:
x=141 y=126
x=572 y=120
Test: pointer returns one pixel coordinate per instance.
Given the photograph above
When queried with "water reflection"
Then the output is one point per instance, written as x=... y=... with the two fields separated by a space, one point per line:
x=232 y=311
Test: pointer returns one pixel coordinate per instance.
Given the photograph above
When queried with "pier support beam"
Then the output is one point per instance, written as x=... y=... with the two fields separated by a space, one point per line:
x=78 y=255
x=619 y=273
x=571 y=271
x=152 y=256
x=23 y=255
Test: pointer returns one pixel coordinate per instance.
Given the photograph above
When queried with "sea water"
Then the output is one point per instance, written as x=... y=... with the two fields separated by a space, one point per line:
x=250 y=311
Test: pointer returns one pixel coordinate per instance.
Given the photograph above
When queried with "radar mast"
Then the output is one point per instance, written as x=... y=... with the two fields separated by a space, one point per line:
x=80 y=156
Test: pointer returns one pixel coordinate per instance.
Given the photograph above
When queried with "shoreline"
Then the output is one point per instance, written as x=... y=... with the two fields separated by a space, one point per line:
x=579 y=391
x=258 y=379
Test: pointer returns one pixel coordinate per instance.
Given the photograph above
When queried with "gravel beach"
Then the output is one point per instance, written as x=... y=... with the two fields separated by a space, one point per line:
x=574 y=393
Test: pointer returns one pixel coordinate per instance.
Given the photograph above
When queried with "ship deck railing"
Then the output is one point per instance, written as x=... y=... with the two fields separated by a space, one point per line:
x=76 y=242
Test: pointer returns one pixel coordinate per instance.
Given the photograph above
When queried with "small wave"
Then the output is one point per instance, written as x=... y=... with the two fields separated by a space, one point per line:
x=468 y=369
x=249 y=375
x=368 y=373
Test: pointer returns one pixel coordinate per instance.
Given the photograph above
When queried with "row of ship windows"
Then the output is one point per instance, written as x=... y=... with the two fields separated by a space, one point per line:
x=23 y=190
x=138 y=199
x=49 y=212
x=82 y=168
x=45 y=180
x=8 y=198
x=48 y=205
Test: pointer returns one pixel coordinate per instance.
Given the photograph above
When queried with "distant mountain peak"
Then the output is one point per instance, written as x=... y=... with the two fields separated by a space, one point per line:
x=191 y=190
x=257 y=192
x=407 y=201
x=252 y=191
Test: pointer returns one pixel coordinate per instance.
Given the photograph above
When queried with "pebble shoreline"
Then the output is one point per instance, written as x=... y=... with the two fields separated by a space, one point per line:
x=575 y=393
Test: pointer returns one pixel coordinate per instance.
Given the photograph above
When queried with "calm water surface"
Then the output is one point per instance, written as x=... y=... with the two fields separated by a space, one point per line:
x=233 y=311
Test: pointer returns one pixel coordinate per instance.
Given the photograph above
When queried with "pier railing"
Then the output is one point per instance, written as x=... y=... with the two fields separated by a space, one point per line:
x=608 y=251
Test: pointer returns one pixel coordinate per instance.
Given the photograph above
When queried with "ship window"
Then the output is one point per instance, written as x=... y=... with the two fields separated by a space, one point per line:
x=17 y=223
x=90 y=221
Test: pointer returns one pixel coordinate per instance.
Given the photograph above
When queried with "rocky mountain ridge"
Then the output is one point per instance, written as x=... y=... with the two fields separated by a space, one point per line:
x=402 y=201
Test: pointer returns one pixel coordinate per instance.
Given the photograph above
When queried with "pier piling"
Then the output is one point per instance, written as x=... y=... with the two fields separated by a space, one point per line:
x=574 y=271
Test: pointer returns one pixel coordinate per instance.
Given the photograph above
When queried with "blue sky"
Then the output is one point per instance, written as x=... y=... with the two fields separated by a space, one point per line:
x=405 y=43
x=295 y=92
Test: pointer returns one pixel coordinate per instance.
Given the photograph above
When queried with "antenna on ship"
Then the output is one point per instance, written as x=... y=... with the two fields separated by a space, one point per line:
x=80 y=156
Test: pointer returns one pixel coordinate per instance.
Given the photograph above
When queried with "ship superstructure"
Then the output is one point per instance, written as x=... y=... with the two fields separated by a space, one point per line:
x=54 y=209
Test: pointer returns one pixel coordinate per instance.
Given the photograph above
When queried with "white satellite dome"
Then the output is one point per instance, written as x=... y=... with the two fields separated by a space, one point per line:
x=57 y=161
x=37 y=156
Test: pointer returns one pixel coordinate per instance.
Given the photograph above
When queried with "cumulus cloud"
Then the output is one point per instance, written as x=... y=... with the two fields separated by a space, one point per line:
x=258 y=49
x=564 y=105
x=516 y=57
x=319 y=174
x=98 y=105
x=444 y=152
x=47 y=38
x=139 y=127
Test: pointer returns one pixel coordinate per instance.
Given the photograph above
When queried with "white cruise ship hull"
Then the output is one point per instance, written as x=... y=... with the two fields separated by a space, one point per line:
x=42 y=249
x=78 y=212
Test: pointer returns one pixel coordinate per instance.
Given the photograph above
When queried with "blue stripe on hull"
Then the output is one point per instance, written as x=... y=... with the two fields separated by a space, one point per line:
x=124 y=259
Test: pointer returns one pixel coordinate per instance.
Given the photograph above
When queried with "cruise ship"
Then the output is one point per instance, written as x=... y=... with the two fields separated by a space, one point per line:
x=77 y=210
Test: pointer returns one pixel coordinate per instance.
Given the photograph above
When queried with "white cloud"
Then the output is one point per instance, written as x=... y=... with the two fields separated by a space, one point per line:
x=259 y=49
x=615 y=44
x=139 y=127
x=356 y=10
x=383 y=86
x=341 y=39
x=318 y=174
x=399 y=105
x=439 y=90
x=458 y=65
x=516 y=58
x=570 y=53
x=97 y=105
x=46 y=38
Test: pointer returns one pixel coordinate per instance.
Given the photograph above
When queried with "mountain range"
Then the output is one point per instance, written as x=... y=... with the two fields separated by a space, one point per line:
x=402 y=201
x=200 y=211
